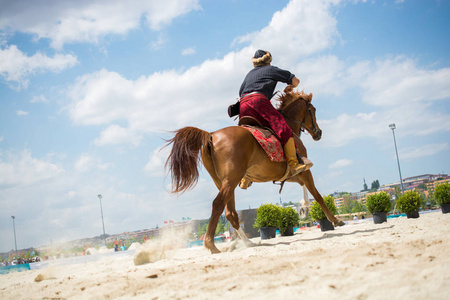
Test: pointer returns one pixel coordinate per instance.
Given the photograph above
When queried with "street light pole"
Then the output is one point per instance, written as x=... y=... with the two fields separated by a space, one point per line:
x=392 y=126
x=15 y=240
x=101 y=210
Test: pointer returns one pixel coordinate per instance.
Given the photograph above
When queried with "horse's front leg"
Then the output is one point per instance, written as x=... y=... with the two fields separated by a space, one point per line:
x=307 y=178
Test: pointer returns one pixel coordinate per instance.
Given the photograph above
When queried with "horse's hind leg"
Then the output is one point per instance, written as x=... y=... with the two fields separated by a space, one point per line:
x=226 y=192
x=233 y=217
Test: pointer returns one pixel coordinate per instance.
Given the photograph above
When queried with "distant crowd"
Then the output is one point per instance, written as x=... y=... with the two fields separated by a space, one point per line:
x=20 y=261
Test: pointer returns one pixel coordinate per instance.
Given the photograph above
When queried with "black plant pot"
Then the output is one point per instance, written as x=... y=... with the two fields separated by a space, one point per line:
x=379 y=217
x=445 y=207
x=326 y=225
x=289 y=231
x=412 y=214
x=267 y=232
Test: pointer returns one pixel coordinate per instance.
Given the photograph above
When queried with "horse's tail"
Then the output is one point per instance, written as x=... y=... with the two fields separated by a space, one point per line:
x=184 y=157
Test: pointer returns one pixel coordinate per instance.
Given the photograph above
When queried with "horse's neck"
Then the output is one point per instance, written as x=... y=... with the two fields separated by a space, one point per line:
x=293 y=116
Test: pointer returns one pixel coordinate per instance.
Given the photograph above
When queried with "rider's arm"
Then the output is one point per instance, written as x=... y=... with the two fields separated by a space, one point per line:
x=290 y=87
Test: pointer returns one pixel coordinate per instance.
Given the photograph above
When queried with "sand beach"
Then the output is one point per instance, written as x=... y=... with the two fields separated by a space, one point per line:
x=401 y=259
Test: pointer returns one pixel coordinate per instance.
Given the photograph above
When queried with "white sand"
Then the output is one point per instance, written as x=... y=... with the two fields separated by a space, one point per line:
x=401 y=259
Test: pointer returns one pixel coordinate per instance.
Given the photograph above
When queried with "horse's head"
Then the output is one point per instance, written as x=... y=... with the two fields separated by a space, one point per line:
x=296 y=107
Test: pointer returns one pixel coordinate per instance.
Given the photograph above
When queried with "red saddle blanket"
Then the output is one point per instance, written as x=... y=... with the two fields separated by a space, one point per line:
x=268 y=142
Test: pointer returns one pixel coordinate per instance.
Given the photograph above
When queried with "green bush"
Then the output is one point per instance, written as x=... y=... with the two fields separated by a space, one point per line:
x=409 y=201
x=289 y=218
x=442 y=193
x=268 y=215
x=317 y=212
x=380 y=202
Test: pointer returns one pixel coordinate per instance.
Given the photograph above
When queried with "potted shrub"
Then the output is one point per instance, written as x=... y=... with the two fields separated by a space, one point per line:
x=268 y=218
x=409 y=203
x=442 y=196
x=378 y=205
x=318 y=214
x=289 y=219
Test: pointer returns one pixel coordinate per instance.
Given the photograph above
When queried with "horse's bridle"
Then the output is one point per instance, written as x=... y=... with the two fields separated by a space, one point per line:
x=314 y=130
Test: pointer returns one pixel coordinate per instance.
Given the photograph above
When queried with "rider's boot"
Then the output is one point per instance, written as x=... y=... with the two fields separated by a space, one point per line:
x=291 y=157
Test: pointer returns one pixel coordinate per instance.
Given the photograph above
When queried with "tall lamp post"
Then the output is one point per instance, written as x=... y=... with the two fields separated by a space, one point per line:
x=392 y=126
x=14 y=226
x=101 y=210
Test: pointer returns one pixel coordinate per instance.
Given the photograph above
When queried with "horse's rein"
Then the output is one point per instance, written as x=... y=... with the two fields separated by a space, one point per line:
x=302 y=124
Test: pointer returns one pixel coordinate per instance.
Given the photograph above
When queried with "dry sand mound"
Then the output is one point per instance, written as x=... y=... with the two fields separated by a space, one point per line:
x=91 y=251
x=103 y=249
x=400 y=259
x=135 y=246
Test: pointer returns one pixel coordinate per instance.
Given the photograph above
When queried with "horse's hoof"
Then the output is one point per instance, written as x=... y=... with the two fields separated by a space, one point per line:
x=249 y=244
x=232 y=246
x=339 y=222
x=214 y=250
x=303 y=213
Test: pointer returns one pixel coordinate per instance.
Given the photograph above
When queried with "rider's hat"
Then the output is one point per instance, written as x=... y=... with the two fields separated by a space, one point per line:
x=261 y=58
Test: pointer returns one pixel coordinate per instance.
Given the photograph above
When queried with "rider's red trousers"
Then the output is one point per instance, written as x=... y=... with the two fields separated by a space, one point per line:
x=259 y=107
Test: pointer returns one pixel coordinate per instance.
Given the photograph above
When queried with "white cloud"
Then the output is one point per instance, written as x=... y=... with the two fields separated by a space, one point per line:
x=22 y=169
x=84 y=163
x=188 y=51
x=16 y=67
x=341 y=163
x=115 y=134
x=398 y=80
x=88 y=20
x=302 y=28
x=159 y=43
x=148 y=103
x=39 y=99
x=345 y=128
x=22 y=113
x=88 y=162
x=395 y=90
x=157 y=160
x=326 y=74
x=409 y=119
x=423 y=151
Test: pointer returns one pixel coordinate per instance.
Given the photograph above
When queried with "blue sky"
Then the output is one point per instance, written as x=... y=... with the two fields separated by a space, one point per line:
x=90 y=89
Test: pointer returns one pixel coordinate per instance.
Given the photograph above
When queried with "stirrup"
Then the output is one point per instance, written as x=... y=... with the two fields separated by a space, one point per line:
x=297 y=168
x=307 y=163
x=245 y=183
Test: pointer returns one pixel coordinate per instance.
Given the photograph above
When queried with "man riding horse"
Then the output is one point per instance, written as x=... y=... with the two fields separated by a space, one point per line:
x=255 y=94
x=233 y=153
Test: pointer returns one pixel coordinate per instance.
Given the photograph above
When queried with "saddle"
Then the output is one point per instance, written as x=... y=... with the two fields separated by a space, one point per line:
x=266 y=138
x=250 y=121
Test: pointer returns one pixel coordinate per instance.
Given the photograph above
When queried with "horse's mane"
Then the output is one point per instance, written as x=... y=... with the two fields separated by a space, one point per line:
x=287 y=98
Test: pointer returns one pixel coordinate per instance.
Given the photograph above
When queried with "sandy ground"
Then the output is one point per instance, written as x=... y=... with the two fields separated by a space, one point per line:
x=401 y=259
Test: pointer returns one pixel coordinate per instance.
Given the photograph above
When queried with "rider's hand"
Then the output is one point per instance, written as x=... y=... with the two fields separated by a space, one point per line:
x=288 y=89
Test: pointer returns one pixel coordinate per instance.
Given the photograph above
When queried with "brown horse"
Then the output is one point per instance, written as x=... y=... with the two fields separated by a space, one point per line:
x=232 y=153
